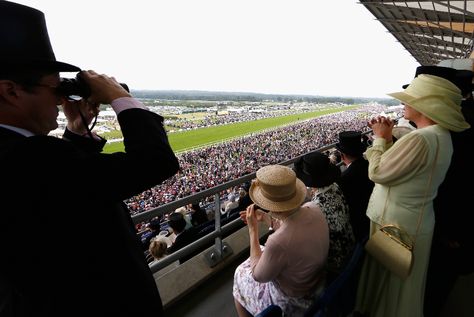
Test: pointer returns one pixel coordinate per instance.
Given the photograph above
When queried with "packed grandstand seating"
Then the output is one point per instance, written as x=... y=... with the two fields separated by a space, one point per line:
x=210 y=166
x=217 y=164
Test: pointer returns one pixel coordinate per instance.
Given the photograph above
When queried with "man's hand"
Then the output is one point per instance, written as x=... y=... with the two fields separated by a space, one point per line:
x=104 y=89
x=71 y=110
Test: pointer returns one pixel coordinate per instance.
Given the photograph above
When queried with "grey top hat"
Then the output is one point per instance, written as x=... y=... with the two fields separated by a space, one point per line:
x=25 y=40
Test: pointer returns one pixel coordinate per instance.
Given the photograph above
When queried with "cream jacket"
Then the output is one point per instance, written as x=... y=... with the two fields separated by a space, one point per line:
x=403 y=170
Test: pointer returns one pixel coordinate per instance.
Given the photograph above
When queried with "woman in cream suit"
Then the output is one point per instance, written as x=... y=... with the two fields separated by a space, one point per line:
x=407 y=174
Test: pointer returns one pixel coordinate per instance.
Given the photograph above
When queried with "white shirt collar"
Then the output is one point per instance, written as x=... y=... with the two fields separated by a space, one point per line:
x=18 y=130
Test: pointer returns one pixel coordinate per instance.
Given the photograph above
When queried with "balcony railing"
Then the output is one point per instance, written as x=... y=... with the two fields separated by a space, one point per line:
x=220 y=249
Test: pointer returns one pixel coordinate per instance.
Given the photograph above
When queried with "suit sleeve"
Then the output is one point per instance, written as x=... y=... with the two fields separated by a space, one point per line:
x=85 y=143
x=148 y=159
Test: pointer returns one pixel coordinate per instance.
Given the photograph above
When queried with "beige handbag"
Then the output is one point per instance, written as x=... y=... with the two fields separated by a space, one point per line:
x=392 y=246
x=388 y=246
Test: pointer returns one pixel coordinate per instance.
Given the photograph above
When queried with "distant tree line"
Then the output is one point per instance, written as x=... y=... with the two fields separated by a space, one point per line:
x=252 y=97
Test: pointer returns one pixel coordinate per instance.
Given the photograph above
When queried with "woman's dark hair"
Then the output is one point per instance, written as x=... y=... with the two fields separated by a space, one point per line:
x=177 y=222
x=196 y=206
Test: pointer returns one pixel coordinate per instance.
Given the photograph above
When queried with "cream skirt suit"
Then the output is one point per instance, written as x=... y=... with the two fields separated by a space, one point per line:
x=406 y=175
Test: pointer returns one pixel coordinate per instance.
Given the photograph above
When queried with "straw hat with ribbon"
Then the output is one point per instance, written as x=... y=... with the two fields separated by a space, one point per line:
x=277 y=189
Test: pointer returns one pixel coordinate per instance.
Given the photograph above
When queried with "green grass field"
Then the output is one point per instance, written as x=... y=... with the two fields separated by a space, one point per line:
x=181 y=141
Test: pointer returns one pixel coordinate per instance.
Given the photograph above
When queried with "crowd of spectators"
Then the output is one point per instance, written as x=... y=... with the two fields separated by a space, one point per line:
x=208 y=167
x=232 y=117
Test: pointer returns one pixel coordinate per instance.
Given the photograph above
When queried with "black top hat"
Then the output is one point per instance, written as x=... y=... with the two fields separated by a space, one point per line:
x=315 y=170
x=443 y=72
x=464 y=81
x=25 y=40
x=350 y=142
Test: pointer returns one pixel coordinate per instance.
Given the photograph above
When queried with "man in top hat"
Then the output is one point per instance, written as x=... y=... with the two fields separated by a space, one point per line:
x=354 y=180
x=94 y=264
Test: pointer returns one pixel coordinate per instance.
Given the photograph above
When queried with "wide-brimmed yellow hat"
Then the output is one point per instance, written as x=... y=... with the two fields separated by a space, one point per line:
x=277 y=189
x=437 y=98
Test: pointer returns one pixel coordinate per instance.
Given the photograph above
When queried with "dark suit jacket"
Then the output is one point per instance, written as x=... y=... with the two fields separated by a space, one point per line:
x=357 y=188
x=198 y=217
x=186 y=237
x=67 y=241
x=453 y=206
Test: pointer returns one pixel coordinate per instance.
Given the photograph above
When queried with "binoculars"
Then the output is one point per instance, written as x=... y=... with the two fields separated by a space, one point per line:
x=76 y=88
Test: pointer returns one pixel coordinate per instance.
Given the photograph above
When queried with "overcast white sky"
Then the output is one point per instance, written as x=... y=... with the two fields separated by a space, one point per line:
x=313 y=47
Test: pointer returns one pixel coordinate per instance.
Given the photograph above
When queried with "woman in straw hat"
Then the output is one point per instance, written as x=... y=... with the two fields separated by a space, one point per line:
x=289 y=270
x=407 y=174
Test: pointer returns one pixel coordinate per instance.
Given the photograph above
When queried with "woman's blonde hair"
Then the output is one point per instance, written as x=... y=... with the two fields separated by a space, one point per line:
x=158 y=248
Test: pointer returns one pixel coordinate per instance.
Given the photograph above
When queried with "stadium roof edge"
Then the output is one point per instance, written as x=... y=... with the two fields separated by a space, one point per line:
x=431 y=31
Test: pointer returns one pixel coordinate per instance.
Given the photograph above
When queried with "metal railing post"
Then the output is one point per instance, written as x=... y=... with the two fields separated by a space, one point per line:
x=221 y=249
x=217 y=217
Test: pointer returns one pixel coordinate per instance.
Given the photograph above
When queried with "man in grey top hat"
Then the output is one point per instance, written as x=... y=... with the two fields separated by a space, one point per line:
x=68 y=245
